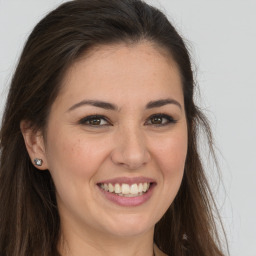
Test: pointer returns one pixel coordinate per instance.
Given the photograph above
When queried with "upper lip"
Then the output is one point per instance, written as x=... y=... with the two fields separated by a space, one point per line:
x=128 y=180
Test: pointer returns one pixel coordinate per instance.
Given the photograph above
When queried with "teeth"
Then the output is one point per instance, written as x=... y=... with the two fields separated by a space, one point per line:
x=145 y=187
x=134 y=189
x=140 y=188
x=117 y=189
x=110 y=187
x=125 y=189
x=105 y=186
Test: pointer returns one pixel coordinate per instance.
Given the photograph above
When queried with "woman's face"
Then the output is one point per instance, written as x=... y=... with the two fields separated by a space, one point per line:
x=117 y=140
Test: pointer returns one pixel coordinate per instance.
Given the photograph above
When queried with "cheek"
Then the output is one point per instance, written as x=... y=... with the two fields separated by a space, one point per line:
x=170 y=154
x=74 y=162
x=72 y=159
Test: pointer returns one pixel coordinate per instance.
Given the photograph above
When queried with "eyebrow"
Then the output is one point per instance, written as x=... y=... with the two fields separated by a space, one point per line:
x=110 y=106
x=162 y=102
x=95 y=103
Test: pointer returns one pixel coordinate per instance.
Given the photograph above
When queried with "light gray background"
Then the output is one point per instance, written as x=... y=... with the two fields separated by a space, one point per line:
x=222 y=38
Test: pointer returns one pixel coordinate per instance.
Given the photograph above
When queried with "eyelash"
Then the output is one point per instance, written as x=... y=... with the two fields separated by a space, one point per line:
x=88 y=119
x=170 y=119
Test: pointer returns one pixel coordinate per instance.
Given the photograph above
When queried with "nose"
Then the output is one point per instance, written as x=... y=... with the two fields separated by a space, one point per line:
x=130 y=149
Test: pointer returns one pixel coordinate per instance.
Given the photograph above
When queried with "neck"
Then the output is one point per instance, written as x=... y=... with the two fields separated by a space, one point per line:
x=75 y=244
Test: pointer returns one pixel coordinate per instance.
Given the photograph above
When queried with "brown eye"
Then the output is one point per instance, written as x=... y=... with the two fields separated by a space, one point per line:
x=160 y=120
x=156 y=120
x=94 y=120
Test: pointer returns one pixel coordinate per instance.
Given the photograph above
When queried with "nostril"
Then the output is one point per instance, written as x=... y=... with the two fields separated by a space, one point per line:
x=130 y=160
x=130 y=149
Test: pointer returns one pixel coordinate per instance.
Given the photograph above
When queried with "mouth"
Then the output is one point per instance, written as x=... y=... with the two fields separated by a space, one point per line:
x=126 y=190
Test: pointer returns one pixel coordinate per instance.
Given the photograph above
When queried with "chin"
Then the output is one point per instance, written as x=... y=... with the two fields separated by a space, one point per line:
x=128 y=226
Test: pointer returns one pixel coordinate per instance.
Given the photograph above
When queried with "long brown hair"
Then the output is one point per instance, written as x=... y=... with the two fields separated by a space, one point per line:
x=29 y=219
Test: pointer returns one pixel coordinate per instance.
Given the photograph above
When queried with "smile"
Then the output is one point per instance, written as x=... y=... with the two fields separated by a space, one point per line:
x=126 y=190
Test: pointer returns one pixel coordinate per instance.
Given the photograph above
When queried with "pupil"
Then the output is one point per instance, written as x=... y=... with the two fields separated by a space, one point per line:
x=95 y=122
x=156 y=120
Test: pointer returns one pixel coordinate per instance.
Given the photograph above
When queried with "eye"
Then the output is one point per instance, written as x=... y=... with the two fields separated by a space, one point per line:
x=94 y=120
x=160 y=120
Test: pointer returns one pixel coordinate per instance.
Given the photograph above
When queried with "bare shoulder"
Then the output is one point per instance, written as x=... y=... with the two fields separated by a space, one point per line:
x=158 y=252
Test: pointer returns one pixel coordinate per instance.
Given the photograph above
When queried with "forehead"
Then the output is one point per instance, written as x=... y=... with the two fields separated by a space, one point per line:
x=112 y=70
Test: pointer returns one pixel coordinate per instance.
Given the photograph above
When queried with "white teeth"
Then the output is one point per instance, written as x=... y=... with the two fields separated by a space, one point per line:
x=125 y=189
x=140 y=188
x=110 y=188
x=134 y=189
x=117 y=189
x=105 y=186
x=145 y=187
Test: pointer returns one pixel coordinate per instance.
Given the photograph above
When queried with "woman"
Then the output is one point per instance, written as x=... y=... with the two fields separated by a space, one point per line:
x=99 y=139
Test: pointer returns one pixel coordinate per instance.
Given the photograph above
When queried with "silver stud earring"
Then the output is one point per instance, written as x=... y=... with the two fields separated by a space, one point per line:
x=38 y=162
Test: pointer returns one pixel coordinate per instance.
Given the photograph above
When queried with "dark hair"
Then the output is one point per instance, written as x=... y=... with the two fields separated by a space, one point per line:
x=29 y=219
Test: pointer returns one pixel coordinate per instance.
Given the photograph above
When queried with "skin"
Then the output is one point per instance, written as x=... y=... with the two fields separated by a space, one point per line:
x=127 y=143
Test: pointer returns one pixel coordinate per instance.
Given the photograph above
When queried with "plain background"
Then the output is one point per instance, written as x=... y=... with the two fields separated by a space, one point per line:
x=221 y=36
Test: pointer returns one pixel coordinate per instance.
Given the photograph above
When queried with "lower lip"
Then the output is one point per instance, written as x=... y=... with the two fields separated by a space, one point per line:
x=128 y=201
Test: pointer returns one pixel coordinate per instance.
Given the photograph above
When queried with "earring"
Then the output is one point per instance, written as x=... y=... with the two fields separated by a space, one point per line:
x=38 y=162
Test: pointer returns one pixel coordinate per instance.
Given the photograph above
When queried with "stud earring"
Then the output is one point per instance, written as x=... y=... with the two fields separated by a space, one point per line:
x=38 y=162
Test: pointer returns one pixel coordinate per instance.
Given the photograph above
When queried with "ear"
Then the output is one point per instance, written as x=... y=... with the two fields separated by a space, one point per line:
x=35 y=145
